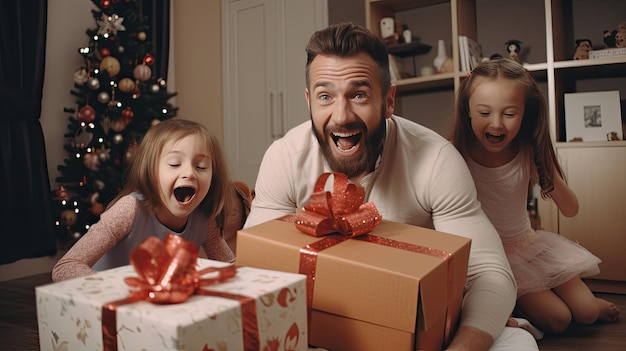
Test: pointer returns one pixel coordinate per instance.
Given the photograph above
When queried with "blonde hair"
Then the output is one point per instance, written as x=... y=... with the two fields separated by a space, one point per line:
x=534 y=132
x=142 y=174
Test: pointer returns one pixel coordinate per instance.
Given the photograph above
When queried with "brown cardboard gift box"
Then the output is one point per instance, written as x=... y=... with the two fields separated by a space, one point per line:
x=368 y=295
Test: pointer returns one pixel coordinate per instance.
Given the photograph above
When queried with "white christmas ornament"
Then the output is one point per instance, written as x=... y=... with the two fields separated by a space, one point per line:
x=81 y=76
x=110 y=24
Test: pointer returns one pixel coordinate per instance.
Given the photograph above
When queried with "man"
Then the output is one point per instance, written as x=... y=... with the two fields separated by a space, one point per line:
x=409 y=172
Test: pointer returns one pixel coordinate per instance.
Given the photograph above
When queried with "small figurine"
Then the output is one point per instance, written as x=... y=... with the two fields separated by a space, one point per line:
x=583 y=46
x=611 y=136
x=616 y=38
x=406 y=34
x=609 y=38
x=620 y=39
x=513 y=47
x=387 y=27
x=394 y=32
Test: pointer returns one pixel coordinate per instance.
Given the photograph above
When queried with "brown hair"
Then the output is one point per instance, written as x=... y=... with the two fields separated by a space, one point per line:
x=534 y=131
x=349 y=39
x=142 y=174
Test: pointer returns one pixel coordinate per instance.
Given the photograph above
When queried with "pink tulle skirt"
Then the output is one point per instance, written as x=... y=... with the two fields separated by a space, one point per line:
x=544 y=260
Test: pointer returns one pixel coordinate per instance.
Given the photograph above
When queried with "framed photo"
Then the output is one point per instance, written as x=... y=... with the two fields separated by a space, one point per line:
x=593 y=116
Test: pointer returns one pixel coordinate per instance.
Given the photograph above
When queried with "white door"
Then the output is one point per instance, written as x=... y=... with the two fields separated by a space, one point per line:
x=264 y=62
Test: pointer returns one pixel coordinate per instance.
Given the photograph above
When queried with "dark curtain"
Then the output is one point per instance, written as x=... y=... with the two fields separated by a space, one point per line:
x=158 y=12
x=25 y=212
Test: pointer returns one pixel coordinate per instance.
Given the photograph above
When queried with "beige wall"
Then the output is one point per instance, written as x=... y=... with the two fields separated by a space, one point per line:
x=198 y=62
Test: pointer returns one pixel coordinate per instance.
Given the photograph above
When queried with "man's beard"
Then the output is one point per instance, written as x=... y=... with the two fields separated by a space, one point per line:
x=361 y=163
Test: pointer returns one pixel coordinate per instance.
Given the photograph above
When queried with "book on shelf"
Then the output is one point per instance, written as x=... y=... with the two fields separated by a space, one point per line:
x=610 y=52
x=475 y=53
x=463 y=53
x=470 y=53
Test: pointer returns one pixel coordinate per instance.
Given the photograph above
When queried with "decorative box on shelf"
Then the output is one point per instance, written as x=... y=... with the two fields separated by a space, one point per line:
x=604 y=53
x=257 y=309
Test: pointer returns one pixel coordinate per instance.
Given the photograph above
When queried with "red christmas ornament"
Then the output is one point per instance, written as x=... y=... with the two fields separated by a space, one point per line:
x=127 y=115
x=118 y=125
x=148 y=60
x=62 y=194
x=86 y=114
x=104 y=52
x=105 y=4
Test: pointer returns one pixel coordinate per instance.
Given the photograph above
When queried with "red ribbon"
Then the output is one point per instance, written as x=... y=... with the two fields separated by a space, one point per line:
x=167 y=275
x=341 y=210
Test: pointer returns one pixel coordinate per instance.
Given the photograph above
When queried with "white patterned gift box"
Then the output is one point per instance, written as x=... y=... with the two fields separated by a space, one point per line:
x=69 y=314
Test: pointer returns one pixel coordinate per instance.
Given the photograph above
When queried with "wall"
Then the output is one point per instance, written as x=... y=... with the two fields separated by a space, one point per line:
x=346 y=10
x=198 y=56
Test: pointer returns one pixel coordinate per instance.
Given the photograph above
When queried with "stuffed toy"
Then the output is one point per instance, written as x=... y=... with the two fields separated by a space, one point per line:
x=583 y=46
x=513 y=47
x=616 y=38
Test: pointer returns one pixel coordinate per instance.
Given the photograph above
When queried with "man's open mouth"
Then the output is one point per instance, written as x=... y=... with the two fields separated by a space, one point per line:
x=346 y=141
x=184 y=194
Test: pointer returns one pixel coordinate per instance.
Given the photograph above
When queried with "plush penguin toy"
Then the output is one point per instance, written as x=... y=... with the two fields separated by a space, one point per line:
x=583 y=46
x=513 y=47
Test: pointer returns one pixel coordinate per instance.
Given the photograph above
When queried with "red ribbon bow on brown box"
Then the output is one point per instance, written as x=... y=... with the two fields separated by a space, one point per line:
x=341 y=210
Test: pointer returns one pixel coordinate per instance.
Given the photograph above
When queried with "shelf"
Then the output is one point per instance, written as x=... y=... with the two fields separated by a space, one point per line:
x=434 y=82
x=590 y=62
x=586 y=144
x=409 y=49
x=535 y=67
x=403 y=5
x=594 y=68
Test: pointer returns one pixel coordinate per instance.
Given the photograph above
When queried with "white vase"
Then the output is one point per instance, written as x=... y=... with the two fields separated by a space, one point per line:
x=441 y=55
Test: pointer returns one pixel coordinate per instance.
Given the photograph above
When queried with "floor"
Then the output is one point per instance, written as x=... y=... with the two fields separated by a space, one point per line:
x=600 y=337
x=18 y=322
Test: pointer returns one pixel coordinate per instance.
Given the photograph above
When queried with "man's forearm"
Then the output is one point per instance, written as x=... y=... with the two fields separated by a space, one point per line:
x=470 y=339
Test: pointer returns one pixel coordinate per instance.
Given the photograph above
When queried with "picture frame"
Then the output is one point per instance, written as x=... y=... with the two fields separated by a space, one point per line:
x=593 y=116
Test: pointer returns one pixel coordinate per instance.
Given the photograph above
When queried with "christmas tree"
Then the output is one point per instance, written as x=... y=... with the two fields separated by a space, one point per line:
x=118 y=97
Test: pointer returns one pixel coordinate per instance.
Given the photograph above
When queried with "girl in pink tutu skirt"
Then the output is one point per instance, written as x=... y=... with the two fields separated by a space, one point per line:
x=501 y=130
